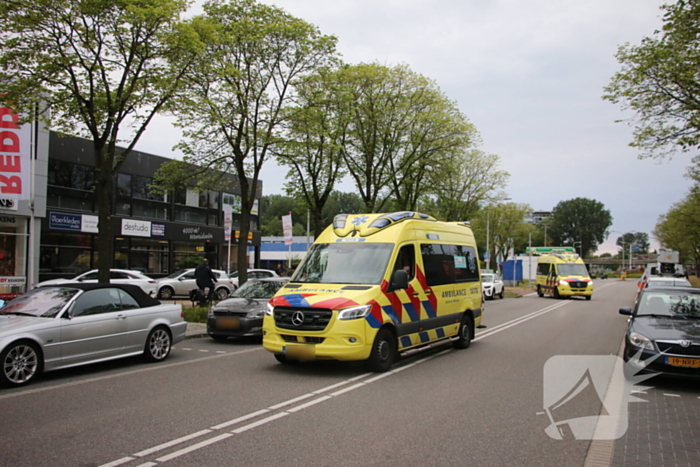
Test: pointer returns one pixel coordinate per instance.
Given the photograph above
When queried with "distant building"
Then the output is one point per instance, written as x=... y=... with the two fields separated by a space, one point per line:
x=536 y=217
x=273 y=251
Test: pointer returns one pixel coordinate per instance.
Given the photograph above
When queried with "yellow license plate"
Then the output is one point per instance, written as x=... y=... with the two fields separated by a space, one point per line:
x=300 y=352
x=686 y=362
x=228 y=322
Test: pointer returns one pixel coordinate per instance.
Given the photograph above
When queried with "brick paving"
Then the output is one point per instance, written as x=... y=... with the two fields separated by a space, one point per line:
x=665 y=431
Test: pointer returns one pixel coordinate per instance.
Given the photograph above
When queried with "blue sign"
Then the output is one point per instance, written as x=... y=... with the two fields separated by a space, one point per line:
x=157 y=229
x=61 y=221
x=486 y=255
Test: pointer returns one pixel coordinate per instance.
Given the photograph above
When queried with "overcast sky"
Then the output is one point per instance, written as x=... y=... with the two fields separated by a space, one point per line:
x=529 y=74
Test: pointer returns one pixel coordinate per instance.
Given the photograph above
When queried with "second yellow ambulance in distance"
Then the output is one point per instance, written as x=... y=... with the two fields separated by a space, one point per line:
x=375 y=285
x=562 y=273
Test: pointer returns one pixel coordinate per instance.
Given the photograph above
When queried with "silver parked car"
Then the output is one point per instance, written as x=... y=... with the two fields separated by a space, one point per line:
x=181 y=282
x=253 y=274
x=74 y=324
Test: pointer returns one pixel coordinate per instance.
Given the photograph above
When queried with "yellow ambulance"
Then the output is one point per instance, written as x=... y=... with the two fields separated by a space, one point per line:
x=562 y=273
x=373 y=286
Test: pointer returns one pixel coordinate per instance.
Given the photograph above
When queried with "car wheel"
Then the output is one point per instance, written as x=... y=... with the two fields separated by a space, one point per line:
x=158 y=344
x=166 y=293
x=383 y=351
x=222 y=293
x=500 y=295
x=588 y=297
x=284 y=360
x=21 y=362
x=464 y=336
x=539 y=292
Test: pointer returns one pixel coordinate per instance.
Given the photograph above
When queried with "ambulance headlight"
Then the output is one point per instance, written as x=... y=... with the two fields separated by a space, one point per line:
x=354 y=312
x=563 y=282
x=269 y=309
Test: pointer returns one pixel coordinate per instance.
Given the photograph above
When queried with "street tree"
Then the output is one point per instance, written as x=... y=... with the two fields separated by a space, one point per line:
x=101 y=70
x=312 y=145
x=400 y=123
x=634 y=238
x=505 y=227
x=679 y=228
x=464 y=182
x=581 y=223
x=660 y=84
x=233 y=110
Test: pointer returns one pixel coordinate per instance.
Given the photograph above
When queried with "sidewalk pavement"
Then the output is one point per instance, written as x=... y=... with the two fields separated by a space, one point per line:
x=196 y=330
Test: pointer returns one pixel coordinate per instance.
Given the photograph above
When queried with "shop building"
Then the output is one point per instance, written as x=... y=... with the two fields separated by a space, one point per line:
x=154 y=233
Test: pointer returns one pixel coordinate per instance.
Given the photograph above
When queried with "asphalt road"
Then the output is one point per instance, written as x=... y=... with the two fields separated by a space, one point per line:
x=231 y=403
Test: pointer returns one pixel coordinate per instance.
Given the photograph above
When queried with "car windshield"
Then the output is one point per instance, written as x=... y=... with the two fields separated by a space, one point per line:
x=344 y=263
x=572 y=269
x=488 y=278
x=43 y=302
x=175 y=275
x=258 y=289
x=683 y=303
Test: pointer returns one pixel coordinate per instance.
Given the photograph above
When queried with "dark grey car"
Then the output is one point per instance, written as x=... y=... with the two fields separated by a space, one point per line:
x=663 y=332
x=241 y=314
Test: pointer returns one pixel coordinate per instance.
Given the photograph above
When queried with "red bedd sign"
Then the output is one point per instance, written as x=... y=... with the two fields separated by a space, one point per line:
x=15 y=156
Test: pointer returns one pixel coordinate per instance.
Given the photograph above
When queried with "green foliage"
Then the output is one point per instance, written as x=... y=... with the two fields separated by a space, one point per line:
x=679 y=228
x=634 y=238
x=579 y=222
x=659 y=82
x=506 y=229
x=99 y=67
x=196 y=314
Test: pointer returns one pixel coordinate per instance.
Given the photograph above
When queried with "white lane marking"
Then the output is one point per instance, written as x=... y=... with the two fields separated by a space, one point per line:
x=291 y=401
x=260 y=422
x=309 y=404
x=239 y=419
x=203 y=350
x=117 y=462
x=186 y=348
x=148 y=464
x=171 y=443
x=672 y=395
x=325 y=398
x=194 y=447
x=142 y=369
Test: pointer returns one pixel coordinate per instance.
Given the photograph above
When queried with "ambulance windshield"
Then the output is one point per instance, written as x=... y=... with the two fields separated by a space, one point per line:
x=572 y=269
x=344 y=263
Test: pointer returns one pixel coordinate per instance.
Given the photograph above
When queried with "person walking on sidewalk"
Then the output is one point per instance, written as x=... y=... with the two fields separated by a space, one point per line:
x=205 y=279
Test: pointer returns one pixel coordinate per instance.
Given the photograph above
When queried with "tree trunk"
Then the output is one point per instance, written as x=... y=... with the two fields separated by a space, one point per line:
x=103 y=189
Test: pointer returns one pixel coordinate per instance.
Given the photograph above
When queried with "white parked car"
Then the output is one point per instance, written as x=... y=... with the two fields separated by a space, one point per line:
x=181 y=282
x=253 y=274
x=492 y=286
x=116 y=276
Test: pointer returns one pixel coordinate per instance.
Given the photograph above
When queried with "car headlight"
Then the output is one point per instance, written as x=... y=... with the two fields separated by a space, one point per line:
x=354 y=312
x=270 y=309
x=256 y=314
x=641 y=341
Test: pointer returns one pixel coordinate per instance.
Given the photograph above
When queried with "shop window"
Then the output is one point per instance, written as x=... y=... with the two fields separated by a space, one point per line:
x=213 y=219
x=151 y=210
x=141 y=189
x=214 y=200
x=75 y=203
x=190 y=215
x=122 y=209
x=70 y=175
x=124 y=185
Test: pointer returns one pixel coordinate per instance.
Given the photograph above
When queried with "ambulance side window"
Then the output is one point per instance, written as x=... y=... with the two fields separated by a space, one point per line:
x=543 y=269
x=449 y=264
x=406 y=260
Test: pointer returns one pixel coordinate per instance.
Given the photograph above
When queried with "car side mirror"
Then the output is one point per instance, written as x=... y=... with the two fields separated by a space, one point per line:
x=399 y=280
x=625 y=310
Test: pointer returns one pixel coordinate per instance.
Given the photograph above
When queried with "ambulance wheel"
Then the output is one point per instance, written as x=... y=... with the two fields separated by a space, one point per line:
x=539 y=292
x=588 y=297
x=464 y=336
x=284 y=360
x=556 y=293
x=383 y=352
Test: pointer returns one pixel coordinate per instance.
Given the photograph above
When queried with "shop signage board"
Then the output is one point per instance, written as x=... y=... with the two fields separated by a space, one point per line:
x=15 y=156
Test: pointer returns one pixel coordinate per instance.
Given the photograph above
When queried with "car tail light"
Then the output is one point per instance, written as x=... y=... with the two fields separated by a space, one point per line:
x=182 y=313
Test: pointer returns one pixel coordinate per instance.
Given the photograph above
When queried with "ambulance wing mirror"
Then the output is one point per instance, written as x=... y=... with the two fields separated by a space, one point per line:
x=399 y=280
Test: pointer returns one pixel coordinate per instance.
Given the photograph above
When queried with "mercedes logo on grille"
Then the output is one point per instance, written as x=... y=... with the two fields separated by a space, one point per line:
x=297 y=318
x=685 y=344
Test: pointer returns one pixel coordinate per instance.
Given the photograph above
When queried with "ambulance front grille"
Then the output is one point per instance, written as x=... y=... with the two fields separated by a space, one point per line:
x=302 y=319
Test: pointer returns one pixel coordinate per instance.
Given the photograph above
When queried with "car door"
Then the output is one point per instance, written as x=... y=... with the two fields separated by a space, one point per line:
x=95 y=327
x=185 y=283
